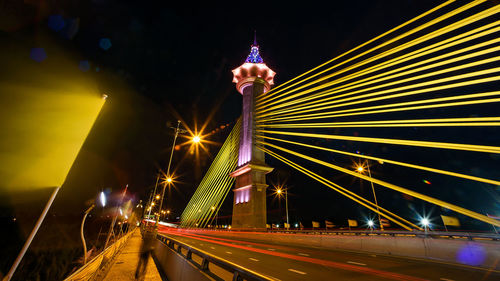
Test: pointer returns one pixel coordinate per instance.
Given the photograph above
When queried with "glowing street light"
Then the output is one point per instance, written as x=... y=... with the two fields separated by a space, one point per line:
x=103 y=199
x=370 y=223
x=425 y=223
x=169 y=180
x=196 y=139
x=360 y=169
x=157 y=196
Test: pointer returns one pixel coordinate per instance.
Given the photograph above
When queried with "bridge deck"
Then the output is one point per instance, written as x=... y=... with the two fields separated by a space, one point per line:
x=126 y=262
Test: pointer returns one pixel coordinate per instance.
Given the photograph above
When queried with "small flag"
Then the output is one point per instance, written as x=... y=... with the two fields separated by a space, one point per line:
x=287 y=225
x=352 y=223
x=453 y=221
x=268 y=226
x=385 y=222
x=329 y=224
x=301 y=226
x=315 y=224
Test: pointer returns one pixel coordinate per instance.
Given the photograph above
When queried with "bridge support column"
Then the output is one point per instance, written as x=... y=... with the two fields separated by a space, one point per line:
x=253 y=78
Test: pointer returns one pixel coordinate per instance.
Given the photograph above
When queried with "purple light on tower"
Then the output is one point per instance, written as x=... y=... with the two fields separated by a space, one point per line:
x=244 y=76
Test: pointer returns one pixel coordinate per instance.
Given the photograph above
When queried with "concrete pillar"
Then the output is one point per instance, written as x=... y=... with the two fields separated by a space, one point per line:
x=252 y=79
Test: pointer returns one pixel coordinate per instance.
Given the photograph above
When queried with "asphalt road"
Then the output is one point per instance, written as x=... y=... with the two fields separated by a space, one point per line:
x=284 y=262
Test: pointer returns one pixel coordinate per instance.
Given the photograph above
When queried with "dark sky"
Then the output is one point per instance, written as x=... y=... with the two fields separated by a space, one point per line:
x=173 y=60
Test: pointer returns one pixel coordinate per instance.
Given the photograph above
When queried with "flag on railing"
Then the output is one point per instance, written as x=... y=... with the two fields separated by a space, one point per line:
x=453 y=221
x=315 y=224
x=385 y=222
x=352 y=223
x=301 y=225
x=287 y=225
x=329 y=224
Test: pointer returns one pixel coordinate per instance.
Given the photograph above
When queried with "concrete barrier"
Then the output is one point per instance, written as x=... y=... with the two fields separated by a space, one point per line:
x=175 y=266
x=479 y=253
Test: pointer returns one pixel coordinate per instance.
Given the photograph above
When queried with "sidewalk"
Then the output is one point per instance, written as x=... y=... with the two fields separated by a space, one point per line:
x=125 y=263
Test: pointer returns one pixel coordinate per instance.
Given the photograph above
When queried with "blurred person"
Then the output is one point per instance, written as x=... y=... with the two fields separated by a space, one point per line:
x=147 y=248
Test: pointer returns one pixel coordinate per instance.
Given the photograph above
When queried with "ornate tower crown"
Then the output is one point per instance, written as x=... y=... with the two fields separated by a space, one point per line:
x=253 y=69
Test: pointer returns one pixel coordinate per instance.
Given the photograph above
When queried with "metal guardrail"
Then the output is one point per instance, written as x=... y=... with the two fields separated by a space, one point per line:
x=422 y=234
x=239 y=273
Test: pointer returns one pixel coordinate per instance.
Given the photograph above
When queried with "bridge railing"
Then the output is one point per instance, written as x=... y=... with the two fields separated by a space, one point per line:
x=395 y=233
x=170 y=251
x=90 y=270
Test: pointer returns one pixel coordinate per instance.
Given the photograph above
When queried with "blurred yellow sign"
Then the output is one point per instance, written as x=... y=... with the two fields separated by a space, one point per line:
x=453 y=221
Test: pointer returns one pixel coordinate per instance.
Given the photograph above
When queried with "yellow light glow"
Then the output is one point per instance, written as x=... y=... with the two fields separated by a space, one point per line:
x=169 y=179
x=152 y=204
x=360 y=169
x=48 y=109
x=196 y=139
x=157 y=196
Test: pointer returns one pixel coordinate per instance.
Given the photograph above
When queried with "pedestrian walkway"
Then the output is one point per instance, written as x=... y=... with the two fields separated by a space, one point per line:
x=125 y=263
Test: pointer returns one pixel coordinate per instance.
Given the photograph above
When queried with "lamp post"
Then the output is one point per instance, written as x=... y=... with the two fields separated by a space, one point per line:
x=82 y=236
x=169 y=178
x=360 y=170
x=279 y=191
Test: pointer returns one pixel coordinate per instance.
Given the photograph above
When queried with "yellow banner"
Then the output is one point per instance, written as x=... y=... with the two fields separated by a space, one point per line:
x=315 y=224
x=353 y=223
x=453 y=221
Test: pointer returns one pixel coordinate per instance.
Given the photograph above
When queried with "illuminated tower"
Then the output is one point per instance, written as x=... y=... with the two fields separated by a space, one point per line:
x=252 y=78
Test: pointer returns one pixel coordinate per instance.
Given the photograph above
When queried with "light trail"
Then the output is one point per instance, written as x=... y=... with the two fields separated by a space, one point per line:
x=338 y=265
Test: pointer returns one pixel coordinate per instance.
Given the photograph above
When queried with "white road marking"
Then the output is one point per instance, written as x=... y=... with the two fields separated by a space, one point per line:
x=212 y=248
x=252 y=259
x=228 y=253
x=356 y=263
x=446 y=279
x=296 y=271
x=271 y=249
x=302 y=254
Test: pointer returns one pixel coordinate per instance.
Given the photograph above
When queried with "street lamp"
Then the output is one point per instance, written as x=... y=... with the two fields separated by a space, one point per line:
x=169 y=178
x=425 y=223
x=370 y=224
x=279 y=191
x=196 y=139
x=360 y=169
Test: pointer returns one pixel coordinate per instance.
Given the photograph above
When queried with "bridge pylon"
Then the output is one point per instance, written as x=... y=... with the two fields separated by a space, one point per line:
x=252 y=78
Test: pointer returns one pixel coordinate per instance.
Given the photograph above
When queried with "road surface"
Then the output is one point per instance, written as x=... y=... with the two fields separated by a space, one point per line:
x=283 y=262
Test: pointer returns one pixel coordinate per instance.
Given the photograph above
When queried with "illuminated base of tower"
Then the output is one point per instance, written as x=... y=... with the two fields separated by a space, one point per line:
x=249 y=205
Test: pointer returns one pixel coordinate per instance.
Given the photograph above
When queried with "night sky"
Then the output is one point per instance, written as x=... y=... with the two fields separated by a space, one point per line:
x=160 y=62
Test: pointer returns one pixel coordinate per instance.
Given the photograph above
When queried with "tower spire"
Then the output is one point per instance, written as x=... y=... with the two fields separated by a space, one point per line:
x=254 y=56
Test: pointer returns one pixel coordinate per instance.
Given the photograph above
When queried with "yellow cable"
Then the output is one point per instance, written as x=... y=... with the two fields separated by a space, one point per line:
x=343 y=191
x=383 y=160
x=277 y=89
x=429 y=144
x=435 y=201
